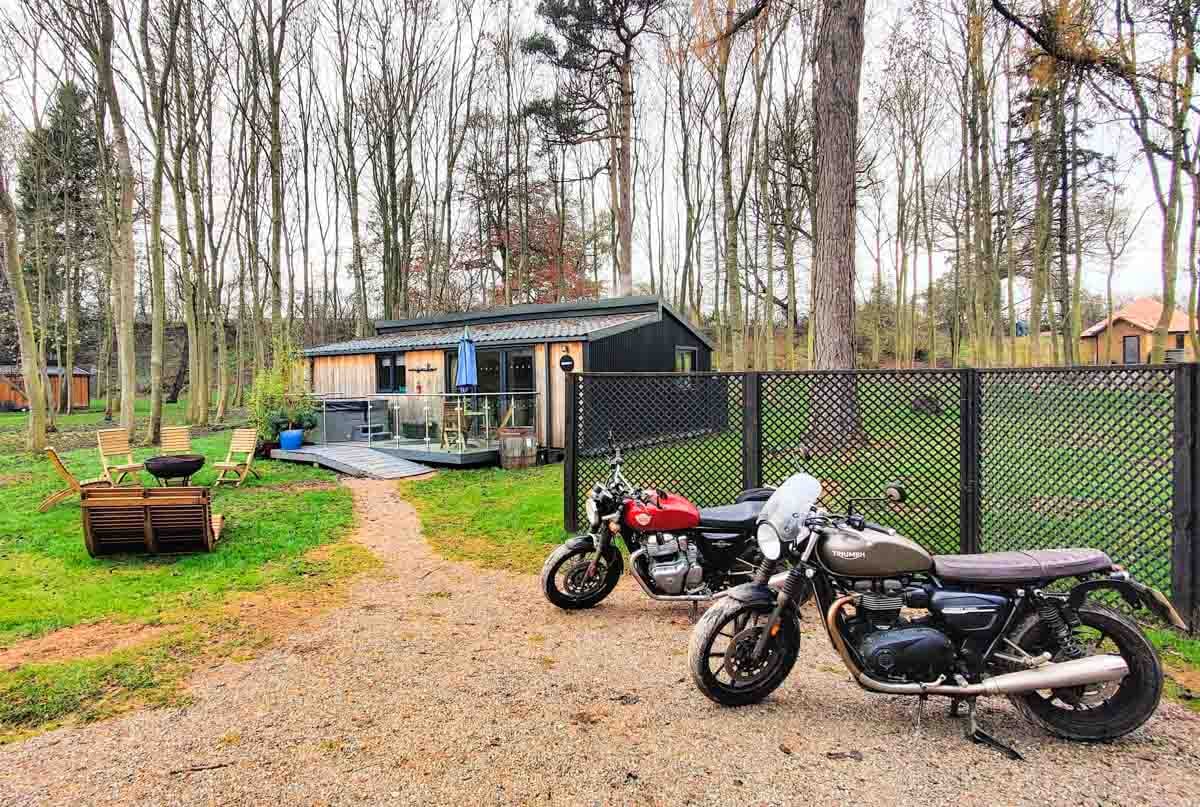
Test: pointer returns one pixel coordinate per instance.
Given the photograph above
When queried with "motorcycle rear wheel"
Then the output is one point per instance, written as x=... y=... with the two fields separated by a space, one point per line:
x=564 y=580
x=719 y=654
x=1103 y=712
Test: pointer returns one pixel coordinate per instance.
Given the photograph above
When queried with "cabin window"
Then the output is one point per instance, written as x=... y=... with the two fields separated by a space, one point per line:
x=685 y=359
x=390 y=372
x=1179 y=341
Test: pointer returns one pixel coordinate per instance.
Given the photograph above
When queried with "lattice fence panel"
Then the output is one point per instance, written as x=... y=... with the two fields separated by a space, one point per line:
x=858 y=432
x=1079 y=458
x=680 y=433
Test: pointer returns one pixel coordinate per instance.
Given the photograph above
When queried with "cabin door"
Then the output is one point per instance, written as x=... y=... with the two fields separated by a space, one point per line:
x=1131 y=350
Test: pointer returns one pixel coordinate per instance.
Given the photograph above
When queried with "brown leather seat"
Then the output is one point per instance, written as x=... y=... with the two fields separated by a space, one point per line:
x=1020 y=567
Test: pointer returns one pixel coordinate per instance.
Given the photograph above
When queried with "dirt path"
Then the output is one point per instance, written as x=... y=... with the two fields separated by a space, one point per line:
x=451 y=685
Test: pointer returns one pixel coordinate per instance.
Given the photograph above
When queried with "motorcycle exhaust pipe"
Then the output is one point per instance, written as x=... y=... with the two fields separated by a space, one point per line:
x=1078 y=672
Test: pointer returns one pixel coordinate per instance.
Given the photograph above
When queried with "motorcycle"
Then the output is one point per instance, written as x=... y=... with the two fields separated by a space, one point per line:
x=676 y=550
x=998 y=623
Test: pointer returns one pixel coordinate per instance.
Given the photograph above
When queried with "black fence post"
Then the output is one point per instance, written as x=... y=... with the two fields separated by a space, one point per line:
x=968 y=474
x=570 y=468
x=1185 y=533
x=751 y=431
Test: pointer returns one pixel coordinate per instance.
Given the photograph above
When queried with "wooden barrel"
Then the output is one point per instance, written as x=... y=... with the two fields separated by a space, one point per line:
x=518 y=447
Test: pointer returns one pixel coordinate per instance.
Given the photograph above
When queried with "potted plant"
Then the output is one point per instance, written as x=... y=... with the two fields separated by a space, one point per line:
x=291 y=422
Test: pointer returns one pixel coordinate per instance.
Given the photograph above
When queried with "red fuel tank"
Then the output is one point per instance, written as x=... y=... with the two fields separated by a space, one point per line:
x=665 y=512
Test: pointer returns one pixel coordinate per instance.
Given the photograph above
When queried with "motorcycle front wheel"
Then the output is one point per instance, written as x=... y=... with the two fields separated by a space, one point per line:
x=721 y=652
x=565 y=579
x=1103 y=711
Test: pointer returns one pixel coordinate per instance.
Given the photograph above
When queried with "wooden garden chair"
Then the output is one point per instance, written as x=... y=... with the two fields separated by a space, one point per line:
x=452 y=423
x=114 y=443
x=243 y=443
x=74 y=486
x=155 y=520
x=175 y=440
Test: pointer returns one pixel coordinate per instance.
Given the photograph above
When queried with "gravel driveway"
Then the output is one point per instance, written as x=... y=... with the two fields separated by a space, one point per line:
x=446 y=684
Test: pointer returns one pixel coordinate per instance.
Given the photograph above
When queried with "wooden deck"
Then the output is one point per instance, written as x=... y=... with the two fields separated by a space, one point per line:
x=355 y=460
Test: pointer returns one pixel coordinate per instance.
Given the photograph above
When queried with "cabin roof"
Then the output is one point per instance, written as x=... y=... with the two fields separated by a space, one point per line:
x=581 y=320
x=1142 y=313
x=15 y=369
x=558 y=329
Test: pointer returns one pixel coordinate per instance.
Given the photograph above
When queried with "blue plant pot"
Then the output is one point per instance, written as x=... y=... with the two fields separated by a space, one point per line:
x=290 y=439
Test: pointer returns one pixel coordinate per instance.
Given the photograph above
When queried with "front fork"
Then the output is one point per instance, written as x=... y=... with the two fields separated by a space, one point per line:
x=601 y=541
x=793 y=585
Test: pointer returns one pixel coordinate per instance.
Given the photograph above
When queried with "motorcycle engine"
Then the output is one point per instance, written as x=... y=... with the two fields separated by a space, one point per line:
x=893 y=649
x=673 y=562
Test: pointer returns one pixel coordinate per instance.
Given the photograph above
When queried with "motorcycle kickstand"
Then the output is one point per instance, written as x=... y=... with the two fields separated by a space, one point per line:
x=981 y=737
x=920 y=714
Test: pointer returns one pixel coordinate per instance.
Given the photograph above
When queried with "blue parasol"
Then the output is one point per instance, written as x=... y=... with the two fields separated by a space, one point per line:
x=466 y=378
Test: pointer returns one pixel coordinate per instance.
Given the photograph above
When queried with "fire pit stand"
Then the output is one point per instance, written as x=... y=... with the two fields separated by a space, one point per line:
x=178 y=466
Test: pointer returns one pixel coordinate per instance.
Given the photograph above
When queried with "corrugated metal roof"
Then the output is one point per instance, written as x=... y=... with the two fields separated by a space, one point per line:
x=15 y=369
x=517 y=331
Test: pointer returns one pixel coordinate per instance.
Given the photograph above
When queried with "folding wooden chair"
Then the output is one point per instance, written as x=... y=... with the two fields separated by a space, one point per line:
x=115 y=443
x=452 y=423
x=244 y=442
x=74 y=485
x=175 y=440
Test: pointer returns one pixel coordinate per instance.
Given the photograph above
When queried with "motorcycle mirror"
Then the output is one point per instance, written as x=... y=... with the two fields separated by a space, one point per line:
x=895 y=493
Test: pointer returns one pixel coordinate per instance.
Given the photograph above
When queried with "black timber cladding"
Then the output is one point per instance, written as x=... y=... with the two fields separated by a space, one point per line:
x=648 y=349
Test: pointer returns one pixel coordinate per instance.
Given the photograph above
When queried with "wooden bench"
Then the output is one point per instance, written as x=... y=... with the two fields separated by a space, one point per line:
x=154 y=520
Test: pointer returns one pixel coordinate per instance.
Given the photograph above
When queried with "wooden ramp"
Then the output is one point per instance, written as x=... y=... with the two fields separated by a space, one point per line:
x=354 y=460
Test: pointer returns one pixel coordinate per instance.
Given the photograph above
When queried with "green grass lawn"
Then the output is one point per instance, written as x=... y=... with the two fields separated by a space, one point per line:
x=496 y=518
x=271 y=528
x=74 y=429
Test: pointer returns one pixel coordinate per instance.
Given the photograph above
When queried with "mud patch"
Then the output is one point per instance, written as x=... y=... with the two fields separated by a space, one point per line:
x=79 y=641
x=15 y=479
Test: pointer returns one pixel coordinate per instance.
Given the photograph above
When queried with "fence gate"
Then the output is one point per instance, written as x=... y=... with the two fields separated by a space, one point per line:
x=1103 y=457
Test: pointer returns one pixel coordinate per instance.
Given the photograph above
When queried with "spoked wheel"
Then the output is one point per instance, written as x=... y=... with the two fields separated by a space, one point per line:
x=1100 y=711
x=566 y=580
x=721 y=653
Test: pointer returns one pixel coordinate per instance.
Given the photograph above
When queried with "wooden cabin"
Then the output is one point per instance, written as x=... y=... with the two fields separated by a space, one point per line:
x=12 y=386
x=519 y=349
x=1132 y=341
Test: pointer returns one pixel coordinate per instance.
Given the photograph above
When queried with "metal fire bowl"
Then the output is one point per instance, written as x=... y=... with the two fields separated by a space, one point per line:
x=174 y=467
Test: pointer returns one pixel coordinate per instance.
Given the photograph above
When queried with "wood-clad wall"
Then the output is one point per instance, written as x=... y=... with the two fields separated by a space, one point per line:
x=345 y=375
x=10 y=393
x=539 y=384
x=558 y=389
x=425 y=372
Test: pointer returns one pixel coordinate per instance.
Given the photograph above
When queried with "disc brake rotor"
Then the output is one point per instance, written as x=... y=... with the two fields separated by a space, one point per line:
x=576 y=582
x=739 y=663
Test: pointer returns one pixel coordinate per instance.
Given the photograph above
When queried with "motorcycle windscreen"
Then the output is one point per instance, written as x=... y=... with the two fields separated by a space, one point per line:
x=790 y=504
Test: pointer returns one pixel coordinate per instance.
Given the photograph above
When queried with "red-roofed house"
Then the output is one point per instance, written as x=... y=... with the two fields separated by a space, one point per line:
x=1132 y=329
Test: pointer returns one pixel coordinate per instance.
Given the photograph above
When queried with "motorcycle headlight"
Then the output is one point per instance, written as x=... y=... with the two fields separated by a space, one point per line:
x=768 y=542
x=592 y=511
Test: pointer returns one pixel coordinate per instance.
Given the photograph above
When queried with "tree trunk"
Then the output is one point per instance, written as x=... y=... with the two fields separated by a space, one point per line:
x=23 y=314
x=839 y=69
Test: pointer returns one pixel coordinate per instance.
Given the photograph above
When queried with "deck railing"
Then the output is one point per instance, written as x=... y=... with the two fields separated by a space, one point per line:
x=447 y=422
